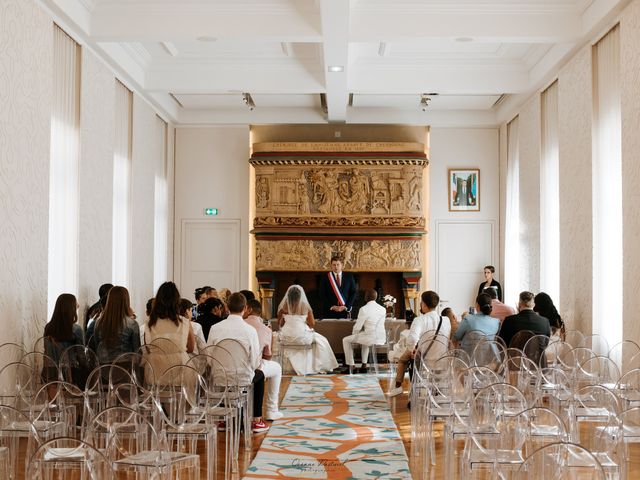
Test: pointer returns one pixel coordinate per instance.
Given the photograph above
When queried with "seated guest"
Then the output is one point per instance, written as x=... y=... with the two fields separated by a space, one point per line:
x=481 y=321
x=526 y=319
x=543 y=305
x=296 y=322
x=499 y=309
x=209 y=313
x=166 y=323
x=490 y=282
x=235 y=328
x=271 y=370
x=453 y=319
x=429 y=320
x=248 y=294
x=401 y=340
x=94 y=310
x=368 y=330
x=62 y=331
x=210 y=292
x=186 y=312
x=115 y=332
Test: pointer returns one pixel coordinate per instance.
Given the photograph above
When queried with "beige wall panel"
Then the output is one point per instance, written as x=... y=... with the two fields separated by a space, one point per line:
x=630 y=91
x=576 y=225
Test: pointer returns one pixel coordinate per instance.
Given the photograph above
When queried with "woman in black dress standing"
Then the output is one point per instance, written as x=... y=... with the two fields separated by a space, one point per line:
x=490 y=282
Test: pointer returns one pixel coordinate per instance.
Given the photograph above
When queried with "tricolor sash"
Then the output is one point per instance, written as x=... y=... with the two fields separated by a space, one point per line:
x=336 y=290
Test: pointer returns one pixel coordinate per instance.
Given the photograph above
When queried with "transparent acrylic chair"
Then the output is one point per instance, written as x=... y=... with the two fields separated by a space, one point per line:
x=14 y=426
x=135 y=449
x=622 y=353
x=496 y=434
x=628 y=389
x=561 y=461
x=64 y=458
x=182 y=405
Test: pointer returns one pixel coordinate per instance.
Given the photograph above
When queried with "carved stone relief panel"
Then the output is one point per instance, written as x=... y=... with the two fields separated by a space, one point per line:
x=328 y=191
x=384 y=255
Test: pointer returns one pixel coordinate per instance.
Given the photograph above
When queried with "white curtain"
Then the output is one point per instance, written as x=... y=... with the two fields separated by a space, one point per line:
x=122 y=185
x=550 y=196
x=512 y=217
x=63 y=176
x=161 y=207
x=607 y=189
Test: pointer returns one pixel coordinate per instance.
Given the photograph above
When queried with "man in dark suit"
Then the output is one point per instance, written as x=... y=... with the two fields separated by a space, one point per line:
x=464 y=196
x=526 y=319
x=337 y=291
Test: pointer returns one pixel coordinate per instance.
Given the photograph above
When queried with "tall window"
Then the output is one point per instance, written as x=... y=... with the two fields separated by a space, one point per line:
x=122 y=185
x=550 y=196
x=607 y=189
x=512 y=226
x=161 y=205
x=63 y=177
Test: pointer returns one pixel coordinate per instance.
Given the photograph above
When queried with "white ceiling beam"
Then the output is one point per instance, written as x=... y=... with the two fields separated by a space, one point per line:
x=399 y=25
x=230 y=116
x=122 y=22
x=445 y=79
x=335 y=30
x=220 y=78
x=434 y=118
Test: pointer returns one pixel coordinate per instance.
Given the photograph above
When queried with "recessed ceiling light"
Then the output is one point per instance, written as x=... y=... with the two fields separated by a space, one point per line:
x=335 y=68
x=206 y=38
x=464 y=39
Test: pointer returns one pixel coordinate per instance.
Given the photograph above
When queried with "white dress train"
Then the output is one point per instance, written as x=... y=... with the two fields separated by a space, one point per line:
x=319 y=359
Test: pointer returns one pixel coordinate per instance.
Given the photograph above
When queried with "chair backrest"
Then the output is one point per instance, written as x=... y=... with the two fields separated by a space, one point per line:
x=138 y=366
x=554 y=354
x=18 y=383
x=178 y=391
x=66 y=457
x=122 y=432
x=628 y=388
x=573 y=337
x=11 y=352
x=622 y=353
x=598 y=371
x=471 y=339
x=16 y=424
x=491 y=354
x=76 y=362
x=534 y=348
x=45 y=366
x=240 y=357
x=543 y=426
x=560 y=461
x=520 y=339
x=597 y=343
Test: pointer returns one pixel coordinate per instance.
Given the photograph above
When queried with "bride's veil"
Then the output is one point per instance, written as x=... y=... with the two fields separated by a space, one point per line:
x=295 y=301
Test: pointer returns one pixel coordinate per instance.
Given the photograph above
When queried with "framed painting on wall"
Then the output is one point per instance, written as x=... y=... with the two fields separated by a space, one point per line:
x=464 y=190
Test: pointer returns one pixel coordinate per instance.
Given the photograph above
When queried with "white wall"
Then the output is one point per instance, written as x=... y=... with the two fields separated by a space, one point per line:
x=575 y=107
x=26 y=72
x=211 y=170
x=26 y=40
x=474 y=236
x=97 y=125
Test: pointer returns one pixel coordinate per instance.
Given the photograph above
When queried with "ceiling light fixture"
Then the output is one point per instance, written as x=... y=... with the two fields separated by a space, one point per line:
x=335 y=68
x=248 y=101
x=424 y=101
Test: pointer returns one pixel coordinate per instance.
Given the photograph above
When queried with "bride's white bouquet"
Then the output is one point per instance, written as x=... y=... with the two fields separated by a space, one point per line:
x=388 y=301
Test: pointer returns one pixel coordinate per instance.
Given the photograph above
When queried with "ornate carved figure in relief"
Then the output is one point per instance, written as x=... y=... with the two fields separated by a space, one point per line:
x=360 y=193
x=397 y=199
x=415 y=201
x=262 y=193
x=303 y=196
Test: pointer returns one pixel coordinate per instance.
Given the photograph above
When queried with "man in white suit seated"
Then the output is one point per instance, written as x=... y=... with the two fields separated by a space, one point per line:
x=368 y=329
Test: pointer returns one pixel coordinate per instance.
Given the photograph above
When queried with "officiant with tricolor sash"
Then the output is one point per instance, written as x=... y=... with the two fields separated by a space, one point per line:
x=337 y=291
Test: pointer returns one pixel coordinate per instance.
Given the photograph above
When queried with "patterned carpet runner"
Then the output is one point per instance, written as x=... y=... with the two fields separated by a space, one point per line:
x=336 y=427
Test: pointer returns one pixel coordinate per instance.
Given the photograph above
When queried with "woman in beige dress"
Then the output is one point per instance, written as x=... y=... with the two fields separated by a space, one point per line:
x=170 y=332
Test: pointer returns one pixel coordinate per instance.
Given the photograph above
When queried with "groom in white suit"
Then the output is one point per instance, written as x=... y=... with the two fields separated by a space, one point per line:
x=368 y=329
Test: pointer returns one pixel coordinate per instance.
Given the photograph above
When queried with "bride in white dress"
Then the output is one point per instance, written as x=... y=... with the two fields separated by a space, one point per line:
x=296 y=321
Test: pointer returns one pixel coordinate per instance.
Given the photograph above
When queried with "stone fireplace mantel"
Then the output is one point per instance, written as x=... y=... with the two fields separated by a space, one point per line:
x=360 y=200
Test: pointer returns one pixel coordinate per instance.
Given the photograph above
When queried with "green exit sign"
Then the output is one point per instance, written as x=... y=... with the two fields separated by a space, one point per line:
x=210 y=211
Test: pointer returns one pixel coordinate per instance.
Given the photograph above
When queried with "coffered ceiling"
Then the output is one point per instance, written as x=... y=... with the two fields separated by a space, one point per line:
x=459 y=62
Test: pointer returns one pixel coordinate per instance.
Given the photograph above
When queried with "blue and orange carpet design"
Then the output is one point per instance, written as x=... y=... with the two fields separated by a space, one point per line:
x=335 y=427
